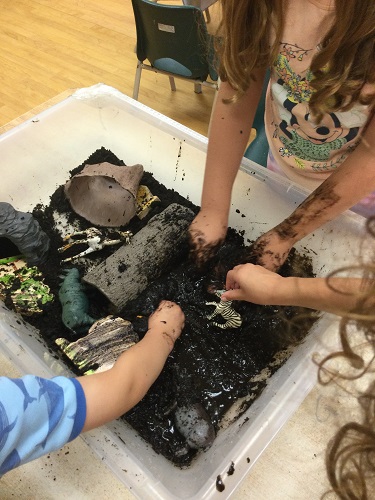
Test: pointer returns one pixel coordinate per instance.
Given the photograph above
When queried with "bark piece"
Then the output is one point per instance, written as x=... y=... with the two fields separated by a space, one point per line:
x=106 y=340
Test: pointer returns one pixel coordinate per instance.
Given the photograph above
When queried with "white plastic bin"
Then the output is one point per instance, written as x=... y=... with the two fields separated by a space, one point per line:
x=37 y=157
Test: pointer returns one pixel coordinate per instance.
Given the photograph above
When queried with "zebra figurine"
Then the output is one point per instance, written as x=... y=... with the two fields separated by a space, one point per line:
x=226 y=311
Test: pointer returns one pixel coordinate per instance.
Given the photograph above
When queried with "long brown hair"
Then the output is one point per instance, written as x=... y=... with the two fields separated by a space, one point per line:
x=350 y=457
x=347 y=51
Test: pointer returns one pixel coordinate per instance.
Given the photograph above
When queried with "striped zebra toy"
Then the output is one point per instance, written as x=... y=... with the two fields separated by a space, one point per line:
x=226 y=311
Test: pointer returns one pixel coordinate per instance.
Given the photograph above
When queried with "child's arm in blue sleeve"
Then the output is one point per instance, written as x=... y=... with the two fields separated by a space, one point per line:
x=37 y=416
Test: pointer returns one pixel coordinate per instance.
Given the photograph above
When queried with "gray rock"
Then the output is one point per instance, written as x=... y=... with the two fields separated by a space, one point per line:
x=194 y=424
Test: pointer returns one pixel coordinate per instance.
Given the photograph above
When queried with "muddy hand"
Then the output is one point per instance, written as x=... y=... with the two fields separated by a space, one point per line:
x=270 y=250
x=171 y=317
x=206 y=234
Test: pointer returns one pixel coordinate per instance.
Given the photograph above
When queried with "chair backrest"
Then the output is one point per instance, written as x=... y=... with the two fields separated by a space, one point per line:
x=173 y=38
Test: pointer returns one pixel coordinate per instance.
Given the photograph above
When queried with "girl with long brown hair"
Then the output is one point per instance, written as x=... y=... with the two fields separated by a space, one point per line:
x=319 y=114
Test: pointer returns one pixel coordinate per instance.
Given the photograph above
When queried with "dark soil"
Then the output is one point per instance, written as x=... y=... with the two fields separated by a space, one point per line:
x=208 y=365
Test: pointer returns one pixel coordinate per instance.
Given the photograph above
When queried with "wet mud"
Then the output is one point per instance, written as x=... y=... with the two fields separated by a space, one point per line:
x=210 y=367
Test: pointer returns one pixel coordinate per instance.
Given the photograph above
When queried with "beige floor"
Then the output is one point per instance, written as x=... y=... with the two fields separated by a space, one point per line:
x=48 y=47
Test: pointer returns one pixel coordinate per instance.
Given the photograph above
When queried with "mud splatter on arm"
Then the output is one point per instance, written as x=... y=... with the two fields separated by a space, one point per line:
x=312 y=213
x=351 y=182
x=272 y=248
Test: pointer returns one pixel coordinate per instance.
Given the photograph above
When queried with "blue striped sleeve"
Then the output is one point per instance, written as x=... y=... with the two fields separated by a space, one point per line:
x=80 y=418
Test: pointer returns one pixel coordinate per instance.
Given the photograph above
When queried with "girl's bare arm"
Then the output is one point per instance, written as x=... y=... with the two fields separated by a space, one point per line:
x=112 y=393
x=259 y=285
x=351 y=182
x=229 y=132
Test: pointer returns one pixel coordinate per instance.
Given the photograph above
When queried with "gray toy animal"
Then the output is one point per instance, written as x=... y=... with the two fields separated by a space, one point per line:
x=25 y=232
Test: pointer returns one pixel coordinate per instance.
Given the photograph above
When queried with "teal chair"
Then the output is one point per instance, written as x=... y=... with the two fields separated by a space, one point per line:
x=257 y=151
x=175 y=42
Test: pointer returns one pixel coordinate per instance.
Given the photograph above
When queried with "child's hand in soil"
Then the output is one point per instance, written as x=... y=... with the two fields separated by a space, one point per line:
x=254 y=284
x=206 y=233
x=270 y=250
x=169 y=320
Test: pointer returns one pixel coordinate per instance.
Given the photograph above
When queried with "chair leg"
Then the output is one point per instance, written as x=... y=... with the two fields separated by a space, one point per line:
x=172 y=83
x=137 y=80
x=197 y=88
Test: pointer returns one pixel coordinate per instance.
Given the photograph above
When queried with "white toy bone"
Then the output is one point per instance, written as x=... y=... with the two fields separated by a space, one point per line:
x=95 y=241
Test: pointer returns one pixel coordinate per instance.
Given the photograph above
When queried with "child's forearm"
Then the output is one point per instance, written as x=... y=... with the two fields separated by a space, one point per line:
x=228 y=136
x=112 y=393
x=335 y=296
x=343 y=189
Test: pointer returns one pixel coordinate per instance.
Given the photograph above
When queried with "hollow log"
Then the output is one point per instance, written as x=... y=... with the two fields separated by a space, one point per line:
x=129 y=270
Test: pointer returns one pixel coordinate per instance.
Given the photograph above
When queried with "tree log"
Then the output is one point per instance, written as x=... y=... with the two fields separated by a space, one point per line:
x=129 y=270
